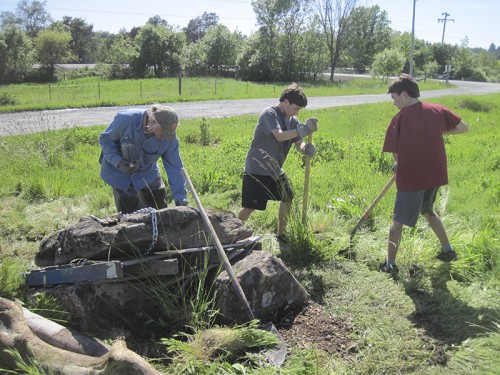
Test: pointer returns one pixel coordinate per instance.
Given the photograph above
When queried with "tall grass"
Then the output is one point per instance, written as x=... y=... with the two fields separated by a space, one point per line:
x=50 y=179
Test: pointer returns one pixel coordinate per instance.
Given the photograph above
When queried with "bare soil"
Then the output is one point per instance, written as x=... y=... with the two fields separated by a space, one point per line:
x=312 y=326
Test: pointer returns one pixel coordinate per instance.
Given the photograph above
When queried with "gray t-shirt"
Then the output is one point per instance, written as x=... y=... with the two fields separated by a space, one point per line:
x=267 y=155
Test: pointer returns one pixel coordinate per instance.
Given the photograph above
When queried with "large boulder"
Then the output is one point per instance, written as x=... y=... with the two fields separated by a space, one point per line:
x=123 y=236
x=267 y=284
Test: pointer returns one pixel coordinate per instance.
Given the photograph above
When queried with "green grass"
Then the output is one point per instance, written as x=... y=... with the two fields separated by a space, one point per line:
x=95 y=92
x=50 y=179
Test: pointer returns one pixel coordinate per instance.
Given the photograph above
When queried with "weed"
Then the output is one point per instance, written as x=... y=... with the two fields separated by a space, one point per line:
x=12 y=284
x=480 y=258
x=474 y=105
x=302 y=247
x=204 y=132
x=31 y=366
x=192 y=353
x=47 y=306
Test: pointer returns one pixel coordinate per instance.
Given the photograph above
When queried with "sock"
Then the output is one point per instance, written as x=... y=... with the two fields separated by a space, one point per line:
x=391 y=262
x=447 y=248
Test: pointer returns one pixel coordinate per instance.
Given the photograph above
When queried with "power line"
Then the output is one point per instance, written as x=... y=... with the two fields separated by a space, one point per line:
x=444 y=23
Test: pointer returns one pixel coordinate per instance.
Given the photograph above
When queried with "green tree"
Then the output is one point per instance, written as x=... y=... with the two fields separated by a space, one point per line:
x=198 y=27
x=335 y=19
x=157 y=21
x=52 y=47
x=292 y=23
x=443 y=54
x=33 y=16
x=312 y=56
x=83 y=43
x=463 y=65
x=16 y=55
x=121 y=53
x=8 y=19
x=193 y=59
x=267 y=15
x=422 y=53
x=160 y=49
x=221 y=48
x=103 y=41
x=281 y=23
x=253 y=61
x=369 y=33
x=489 y=64
x=386 y=63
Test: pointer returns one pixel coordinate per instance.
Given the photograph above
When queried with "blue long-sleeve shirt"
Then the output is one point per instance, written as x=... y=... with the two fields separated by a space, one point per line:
x=129 y=123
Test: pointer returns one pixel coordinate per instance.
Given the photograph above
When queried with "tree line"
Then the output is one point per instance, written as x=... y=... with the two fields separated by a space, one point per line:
x=295 y=41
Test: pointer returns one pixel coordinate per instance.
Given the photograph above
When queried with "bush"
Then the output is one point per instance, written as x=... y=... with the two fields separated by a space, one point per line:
x=7 y=99
x=474 y=105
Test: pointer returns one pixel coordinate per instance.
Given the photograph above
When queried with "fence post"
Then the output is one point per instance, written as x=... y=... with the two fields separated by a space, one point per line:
x=50 y=93
x=180 y=84
x=99 y=90
x=215 y=87
x=140 y=89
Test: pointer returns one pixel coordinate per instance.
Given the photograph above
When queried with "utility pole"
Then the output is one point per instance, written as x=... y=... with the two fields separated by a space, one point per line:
x=446 y=15
x=412 y=39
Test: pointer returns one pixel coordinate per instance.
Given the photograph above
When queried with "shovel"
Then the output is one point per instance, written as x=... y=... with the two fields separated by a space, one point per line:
x=276 y=356
x=366 y=214
x=307 y=172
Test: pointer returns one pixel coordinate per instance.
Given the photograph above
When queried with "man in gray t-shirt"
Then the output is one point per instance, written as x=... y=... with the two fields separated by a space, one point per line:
x=264 y=178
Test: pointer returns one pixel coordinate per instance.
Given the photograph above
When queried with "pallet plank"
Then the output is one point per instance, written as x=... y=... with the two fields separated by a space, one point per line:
x=78 y=273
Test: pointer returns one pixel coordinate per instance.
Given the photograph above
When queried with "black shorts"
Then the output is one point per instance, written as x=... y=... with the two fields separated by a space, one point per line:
x=409 y=204
x=258 y=189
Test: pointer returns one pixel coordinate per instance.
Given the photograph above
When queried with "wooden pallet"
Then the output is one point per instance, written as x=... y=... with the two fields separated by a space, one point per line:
x=164 y=263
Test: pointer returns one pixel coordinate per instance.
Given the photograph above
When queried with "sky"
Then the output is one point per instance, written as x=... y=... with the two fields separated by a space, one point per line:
x=475 y=19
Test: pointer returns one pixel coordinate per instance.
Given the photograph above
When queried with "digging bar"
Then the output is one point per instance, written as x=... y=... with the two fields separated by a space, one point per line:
x=277 y=356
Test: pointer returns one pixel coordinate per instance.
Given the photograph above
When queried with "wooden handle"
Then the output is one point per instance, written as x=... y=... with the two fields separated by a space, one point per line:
x=372 y=206
x=307 y=172
x=220 y=250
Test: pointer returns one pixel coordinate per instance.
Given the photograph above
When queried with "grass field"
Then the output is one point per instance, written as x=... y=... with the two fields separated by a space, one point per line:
x=94 y=92
x=400 y=326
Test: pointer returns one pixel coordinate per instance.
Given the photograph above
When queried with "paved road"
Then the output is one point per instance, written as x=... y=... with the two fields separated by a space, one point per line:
x=18 y=123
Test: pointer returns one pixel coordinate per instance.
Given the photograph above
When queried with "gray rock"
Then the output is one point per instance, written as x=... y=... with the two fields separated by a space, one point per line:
x=126 y=236
x=266 y=282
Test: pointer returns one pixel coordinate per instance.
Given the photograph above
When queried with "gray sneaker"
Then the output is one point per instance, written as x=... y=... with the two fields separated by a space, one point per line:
x=447 y=257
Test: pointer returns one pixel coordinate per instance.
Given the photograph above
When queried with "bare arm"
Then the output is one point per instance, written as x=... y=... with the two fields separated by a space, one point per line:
x=300 y=145
x=285 y=135
x=460 y=128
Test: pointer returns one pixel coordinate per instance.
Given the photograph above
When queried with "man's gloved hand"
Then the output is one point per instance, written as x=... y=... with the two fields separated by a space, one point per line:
x=394 y=167
x=309 y=150
x=309 y=127
x=312 y=122
x=127 y=167
x=182 y=202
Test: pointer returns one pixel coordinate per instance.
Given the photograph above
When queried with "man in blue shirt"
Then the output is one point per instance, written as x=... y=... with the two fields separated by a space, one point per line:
x=131 y=146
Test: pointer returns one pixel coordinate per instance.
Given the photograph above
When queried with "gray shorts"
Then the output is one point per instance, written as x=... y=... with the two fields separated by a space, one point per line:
x=409 y=204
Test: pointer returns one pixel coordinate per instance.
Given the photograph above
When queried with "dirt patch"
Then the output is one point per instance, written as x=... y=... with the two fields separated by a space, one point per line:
x=312 y=326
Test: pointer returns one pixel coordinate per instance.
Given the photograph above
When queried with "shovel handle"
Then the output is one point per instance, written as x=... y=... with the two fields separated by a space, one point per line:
x=372 y=206
x=307 y=172
x=218 y=246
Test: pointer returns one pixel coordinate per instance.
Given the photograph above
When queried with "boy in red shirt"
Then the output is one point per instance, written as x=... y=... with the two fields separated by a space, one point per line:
x=415 y=138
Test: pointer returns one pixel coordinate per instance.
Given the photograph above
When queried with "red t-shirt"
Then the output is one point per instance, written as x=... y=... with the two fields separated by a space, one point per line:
x=415 y=134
